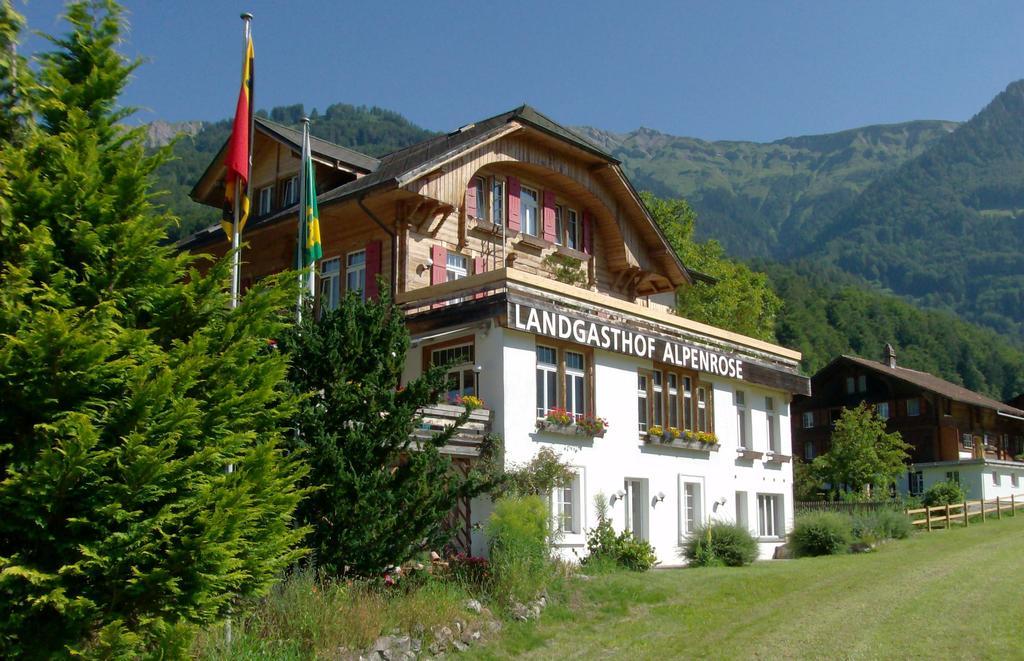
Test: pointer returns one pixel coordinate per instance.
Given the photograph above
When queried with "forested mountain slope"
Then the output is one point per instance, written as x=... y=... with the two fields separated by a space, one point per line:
x=761 y=200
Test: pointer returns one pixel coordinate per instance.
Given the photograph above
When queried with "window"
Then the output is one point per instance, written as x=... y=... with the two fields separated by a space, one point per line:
x=572 y=229
x=529 y=210
x=808 y=419
x=355 y=273
x=1015 y=480
x=330 y=283
x=690 y=505
x=808 y=450
x=770 y=419
x=703 y=417
x=741 y=510
x=851 y=385
x=953 y=476
x=568 y=510
x=266 y=200
x=291 y=192
x=657 y=404
x=481 y=197
x=547 y=380
x=740 y=400
x=641 y=402
x=460 y=360
x=497 y=201
x=673 y=400
x=769 y=515
x=915 y=483
x=967 y=440
x=882 y=409
x=559 y=225
x=862 y=383
x=913 y=407
x=995 y=478
x=575 y=397
x=636 y=507
x=687 y=403
x=456 y=267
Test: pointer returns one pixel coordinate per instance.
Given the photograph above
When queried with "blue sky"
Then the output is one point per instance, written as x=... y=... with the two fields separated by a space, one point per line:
x=714 y=70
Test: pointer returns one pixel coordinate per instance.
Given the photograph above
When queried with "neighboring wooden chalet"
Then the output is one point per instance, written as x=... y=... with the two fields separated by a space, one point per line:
x=525 y=260
x=955 y=433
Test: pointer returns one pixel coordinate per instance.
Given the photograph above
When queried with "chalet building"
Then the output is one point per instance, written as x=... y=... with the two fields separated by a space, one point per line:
x=956 y=434
x=524 y=259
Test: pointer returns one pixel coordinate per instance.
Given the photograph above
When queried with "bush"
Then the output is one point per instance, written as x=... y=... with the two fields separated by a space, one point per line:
x=605 y=548
x=944 y=493
x=883 y=524
x=719 y=543
x=635 y=554
x=823 y=533
x=519 y=531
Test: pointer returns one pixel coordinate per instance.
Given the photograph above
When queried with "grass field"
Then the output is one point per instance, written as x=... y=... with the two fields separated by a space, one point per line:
x=946 y=594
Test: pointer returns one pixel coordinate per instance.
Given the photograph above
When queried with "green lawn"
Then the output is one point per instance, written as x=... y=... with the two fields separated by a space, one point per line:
x=946 y=594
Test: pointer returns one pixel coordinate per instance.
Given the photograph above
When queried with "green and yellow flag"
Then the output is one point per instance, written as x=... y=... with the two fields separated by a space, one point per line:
x=309 y=214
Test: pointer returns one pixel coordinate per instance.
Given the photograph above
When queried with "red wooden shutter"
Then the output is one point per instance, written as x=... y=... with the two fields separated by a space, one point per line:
x=478 y=267
x=439 y=256
x=549 y=216
x=373 y=259
x=588 y=234
x=514 y=190
x=471 y=198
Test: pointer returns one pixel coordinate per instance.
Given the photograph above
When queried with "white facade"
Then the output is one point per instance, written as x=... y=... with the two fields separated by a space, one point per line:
x=655 y=489
x=981 y=478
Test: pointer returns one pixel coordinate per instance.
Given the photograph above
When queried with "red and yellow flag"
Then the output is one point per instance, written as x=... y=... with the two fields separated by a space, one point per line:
x=239 y=155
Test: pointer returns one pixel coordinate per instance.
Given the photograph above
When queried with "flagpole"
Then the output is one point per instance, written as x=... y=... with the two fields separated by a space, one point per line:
x=236 y=231
x=300 y=242
x=306 y=187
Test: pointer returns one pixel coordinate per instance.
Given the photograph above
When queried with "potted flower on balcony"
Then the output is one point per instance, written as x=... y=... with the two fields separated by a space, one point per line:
x=557 y=420
x=591 y=425
x=707 y=438
x=654 y=434
x=471 y=402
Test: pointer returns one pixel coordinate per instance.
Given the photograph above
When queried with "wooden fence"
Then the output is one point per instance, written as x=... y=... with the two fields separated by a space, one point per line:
x=944 y=516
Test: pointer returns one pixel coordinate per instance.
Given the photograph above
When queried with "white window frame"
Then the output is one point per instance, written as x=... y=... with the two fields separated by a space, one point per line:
x=742 y=420
x=691 y=504
x=996 y=481
x=462 y=374
x=967 y=441
x=546 y=400
x=330 y=283
x=291 y=191
x=953 y=476
x=770 y=515
x=880 y=407
x=915 y=483
x=265 y=200
x=570 y=530
x=703 y=422
x=807 y=418
x=559 y=225
x=576 y=385
x=482 y=198
x=771 y=423
x=687 y=387
x=497 y=212
x=572 y=229
x=672 y=383
x=657 y=388
x=355 y=272
x=456 y=266
x=524 y=223
x=642 y=412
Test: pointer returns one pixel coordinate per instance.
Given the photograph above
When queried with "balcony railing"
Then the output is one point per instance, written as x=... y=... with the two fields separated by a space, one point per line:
x=467 y=440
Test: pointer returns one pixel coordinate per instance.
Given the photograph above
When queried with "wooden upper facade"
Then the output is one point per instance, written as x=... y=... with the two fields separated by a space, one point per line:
x=513 y=194
x=941 y=420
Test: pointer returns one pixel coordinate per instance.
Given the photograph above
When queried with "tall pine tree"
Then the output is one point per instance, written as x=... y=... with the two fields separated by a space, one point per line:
x=127 y=386
x=379 y=497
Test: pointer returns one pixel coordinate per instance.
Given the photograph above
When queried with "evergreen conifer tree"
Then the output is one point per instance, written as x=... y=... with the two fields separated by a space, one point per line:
x=127 y=386
x=379 y=497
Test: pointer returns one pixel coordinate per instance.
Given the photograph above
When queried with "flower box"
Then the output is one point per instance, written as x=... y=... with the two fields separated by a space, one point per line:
x=684 y=440
x=560 y=421
x=571 y=429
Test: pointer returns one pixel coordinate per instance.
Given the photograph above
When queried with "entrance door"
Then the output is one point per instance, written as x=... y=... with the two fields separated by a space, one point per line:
x=636 y=507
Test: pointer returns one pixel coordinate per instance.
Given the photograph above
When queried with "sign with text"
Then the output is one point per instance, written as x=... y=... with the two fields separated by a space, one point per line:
x=599 y=335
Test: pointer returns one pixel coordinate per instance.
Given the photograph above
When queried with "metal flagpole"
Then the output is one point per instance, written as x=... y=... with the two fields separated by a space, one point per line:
x=306 y=187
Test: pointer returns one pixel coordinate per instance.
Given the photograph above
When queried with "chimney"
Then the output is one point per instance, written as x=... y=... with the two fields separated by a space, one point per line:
x=890 y=355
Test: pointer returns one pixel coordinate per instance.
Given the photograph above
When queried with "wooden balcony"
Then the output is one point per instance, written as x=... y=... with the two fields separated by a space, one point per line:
x=467 y=440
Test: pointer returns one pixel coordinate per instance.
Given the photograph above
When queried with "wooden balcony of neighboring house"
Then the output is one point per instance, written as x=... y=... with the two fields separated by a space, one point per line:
x=467 y=440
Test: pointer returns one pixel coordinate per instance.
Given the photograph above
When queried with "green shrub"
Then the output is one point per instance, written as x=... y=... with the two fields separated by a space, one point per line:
x=719 y=543
x=635 y=554
x=519 y=530
x=822 y=533
x=604 y=547
x=883 y=524
x=944 y=493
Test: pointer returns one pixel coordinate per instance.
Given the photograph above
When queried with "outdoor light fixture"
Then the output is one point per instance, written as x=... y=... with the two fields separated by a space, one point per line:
x=478 y=368
x=659 y=497
x=618 y=495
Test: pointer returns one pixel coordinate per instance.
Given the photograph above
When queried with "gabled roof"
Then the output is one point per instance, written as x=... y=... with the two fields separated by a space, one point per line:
x=415 y=157
x=322 y=148
x=931 y=383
